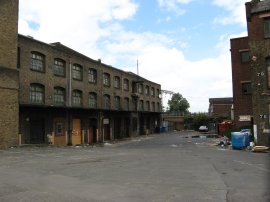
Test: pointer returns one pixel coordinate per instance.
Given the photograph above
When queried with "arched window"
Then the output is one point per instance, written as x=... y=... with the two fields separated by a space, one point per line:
x=37 y=93
x=59 y=96
x=77 y=72
x=37 y=61
x=106 y=101
x=59 y=68
x=92 y=100
x=117 y=82
x=106 y=79
x=152 y=91
x=147 y=91
x=117 y=102
x=126 y=104
x=147 y=106
x=141 y=107
x=77 y=98
x=92 y=75
x=153 y=107
x=126 y=84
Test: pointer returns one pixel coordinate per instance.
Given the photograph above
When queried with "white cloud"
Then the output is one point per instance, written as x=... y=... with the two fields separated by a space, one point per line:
x=236 y=12
x=94 y=28
x=173 y=5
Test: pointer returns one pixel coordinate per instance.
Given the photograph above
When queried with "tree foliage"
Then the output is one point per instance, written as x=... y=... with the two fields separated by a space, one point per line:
x=178 y=104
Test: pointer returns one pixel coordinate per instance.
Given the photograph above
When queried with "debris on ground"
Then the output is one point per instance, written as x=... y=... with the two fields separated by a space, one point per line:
x=260 y=149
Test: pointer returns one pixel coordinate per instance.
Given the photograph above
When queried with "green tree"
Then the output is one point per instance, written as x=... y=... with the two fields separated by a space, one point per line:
x=178 y=104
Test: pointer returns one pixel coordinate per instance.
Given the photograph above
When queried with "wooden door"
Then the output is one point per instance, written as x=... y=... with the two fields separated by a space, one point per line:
x=76 y=132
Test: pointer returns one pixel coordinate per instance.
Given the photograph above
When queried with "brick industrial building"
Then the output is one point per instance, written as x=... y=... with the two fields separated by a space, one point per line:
x=251 y=72
x=68 y=96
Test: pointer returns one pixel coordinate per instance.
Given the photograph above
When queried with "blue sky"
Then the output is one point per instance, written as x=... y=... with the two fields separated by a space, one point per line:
x=181 y=44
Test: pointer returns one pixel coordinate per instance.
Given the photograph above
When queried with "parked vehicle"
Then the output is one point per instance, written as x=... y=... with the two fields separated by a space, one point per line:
x=203 y=128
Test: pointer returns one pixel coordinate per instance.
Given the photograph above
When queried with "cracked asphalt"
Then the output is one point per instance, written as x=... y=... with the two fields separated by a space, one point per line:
x=169 y=167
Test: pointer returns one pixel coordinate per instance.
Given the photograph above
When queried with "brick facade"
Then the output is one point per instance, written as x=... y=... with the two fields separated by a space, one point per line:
x=8 y=73
x=241 y=73
x=122 y=122
x=220 y=107
x=256 y=70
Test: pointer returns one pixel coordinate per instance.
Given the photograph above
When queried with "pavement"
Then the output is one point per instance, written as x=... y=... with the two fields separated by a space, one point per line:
x=169 y=167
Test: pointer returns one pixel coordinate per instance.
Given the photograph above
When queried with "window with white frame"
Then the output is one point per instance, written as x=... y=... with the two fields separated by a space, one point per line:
x=117 y=82
x=92 y=75
x=59 y=96
x=77 y=98
x=92 y=100
x=106 y=79
x=59 y=68
x=37 y=62
x=37 y=93
x=77 y=72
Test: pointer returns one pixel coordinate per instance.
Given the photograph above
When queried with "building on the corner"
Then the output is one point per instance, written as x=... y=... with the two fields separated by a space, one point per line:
x=77 y=100
x=9 y=77
x=251 y=71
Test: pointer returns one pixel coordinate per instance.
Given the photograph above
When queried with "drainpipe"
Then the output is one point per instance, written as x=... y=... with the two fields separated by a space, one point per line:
x=69 y=115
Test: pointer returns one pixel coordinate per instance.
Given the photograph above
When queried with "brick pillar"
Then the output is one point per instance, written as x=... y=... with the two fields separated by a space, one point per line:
x=9 y=76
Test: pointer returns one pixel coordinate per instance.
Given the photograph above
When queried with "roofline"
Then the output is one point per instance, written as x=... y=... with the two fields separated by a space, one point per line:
x=58 y=45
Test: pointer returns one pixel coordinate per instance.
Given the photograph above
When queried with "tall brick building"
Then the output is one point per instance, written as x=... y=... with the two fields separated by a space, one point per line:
x=49 y=92
x=251 y=71
x=9 y=80
x=78 y=99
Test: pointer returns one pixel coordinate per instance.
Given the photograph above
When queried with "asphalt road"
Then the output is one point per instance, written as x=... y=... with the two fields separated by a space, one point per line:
x=158 y=168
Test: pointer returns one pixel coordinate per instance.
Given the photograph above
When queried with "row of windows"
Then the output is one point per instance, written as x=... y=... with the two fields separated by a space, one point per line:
x=59 y=69
x=37 y=96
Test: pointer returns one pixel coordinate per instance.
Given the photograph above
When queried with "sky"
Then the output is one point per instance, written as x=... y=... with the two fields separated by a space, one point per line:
x=184 y=45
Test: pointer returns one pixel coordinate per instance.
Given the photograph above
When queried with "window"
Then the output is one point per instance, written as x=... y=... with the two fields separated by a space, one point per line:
x=126 y=85
x=147 y=91
x=106 y=102
x=245 y=56
x=246 y=88
x=141 y=107
x=37 y=62
x=92 y=76
x=152 y=92
x=267 y=61
x=153 y=107
x=140 y=88
x=126 y=104
x=158 y=107
x=59 y=68
x=266 y=28
x=77 y=98
x=77 y=72
x=158 y=93
x=106 y=79
x=147 y=106
x=117 y=102
x=59 y=96
x=37 y=93
x=59 y=129
x=117 y=82
x=92 y=100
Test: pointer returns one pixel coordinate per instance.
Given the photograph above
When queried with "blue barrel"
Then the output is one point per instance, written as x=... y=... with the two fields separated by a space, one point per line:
x=239 y=140
x=247 y=133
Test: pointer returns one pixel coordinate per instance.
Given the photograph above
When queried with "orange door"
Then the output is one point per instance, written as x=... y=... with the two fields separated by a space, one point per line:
x=76 y=132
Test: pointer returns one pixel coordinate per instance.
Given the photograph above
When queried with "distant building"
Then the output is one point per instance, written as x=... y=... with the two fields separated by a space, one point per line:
x=251 y=71
x=220 y=107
